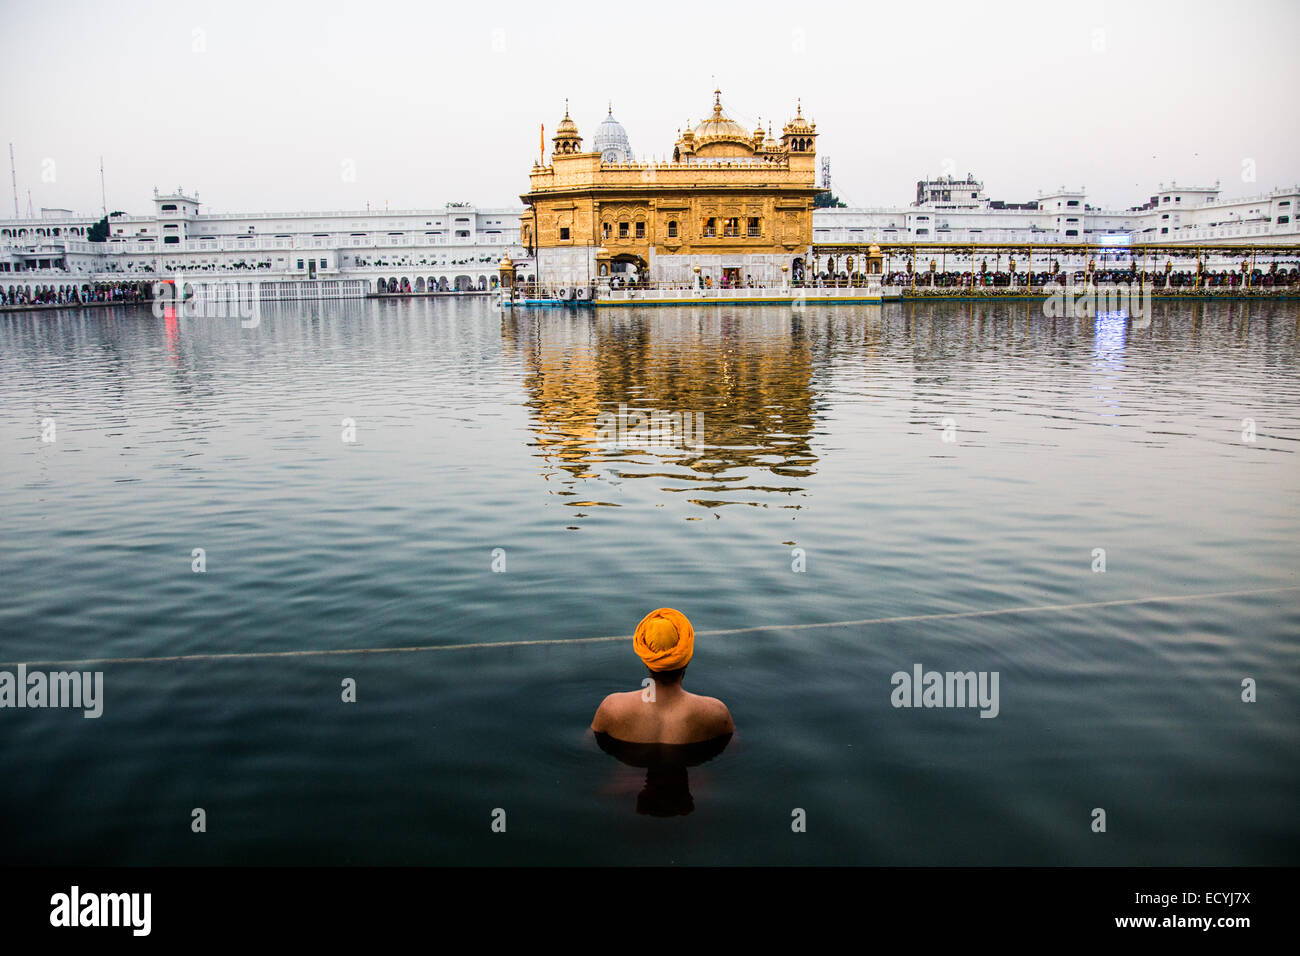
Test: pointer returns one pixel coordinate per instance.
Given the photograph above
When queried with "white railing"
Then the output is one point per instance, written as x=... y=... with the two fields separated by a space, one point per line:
x=678 y=293
x=444 y=212
x=334 y=243
x=313 y=289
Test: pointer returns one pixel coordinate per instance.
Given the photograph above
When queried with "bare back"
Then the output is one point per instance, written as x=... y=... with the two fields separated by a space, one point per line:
x=673 y=717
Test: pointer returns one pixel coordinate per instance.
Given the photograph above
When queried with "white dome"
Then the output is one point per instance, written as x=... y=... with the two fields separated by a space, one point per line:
x=611 y=141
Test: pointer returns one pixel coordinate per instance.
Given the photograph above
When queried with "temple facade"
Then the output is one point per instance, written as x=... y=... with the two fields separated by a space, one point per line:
x=733 y=207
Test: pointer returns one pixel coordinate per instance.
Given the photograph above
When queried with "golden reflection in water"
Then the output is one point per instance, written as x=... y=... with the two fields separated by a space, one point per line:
x=747 y=372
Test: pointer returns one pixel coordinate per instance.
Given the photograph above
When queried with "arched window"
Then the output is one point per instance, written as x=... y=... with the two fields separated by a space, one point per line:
x=672 y=228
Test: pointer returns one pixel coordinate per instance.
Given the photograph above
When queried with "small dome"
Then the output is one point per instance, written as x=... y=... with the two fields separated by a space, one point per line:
x=506 y=264
x=799 y=124
x=611 y=141
x=567 y=125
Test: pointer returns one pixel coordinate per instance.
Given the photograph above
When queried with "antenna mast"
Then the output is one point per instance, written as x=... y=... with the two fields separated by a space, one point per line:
x=103 y=200
x=13 y=173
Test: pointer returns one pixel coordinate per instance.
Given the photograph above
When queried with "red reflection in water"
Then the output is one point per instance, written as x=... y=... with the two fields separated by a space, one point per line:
x=173 y=334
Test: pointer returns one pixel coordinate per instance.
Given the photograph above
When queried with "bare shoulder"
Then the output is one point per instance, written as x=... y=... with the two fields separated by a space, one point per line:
x=715 y=713
x=613 y=707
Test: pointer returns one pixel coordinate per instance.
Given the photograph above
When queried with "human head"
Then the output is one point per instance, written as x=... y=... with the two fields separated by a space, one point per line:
x=665 y=641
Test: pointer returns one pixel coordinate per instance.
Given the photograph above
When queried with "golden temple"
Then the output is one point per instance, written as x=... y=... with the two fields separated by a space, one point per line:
x=732 y=208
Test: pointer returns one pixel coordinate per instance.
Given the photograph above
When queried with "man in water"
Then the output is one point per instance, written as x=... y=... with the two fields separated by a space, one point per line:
x=663 y=712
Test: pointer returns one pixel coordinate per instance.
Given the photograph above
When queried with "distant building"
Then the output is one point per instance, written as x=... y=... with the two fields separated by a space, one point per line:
x=953 y=210
x=455 y=247
x=731 y=206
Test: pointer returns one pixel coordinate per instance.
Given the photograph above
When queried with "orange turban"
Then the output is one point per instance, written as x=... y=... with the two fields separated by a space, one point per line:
x=665 y=640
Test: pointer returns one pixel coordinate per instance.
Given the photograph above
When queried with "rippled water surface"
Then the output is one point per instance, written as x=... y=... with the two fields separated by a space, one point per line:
x=912 y=460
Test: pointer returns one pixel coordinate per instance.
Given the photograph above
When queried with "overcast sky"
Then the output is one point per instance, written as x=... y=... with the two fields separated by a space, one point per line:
x=272 y=105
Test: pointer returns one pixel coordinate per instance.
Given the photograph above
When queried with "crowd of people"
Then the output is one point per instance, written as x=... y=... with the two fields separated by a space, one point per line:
x=71 y=294
x=1224 y=279
x=1207 y=281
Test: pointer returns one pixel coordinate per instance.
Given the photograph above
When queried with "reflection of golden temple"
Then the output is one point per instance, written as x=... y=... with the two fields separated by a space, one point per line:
x=733 y=206
x=749 y=378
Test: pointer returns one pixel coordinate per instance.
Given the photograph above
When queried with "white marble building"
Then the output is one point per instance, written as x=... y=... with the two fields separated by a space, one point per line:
x=452 y=248
x=457 y=248
x=955 y=210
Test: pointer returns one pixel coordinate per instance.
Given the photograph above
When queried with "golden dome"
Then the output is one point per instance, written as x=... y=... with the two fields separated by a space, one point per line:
x=567 y=125
x=874 y=250
x=719 y=127
x=506 y=264
x=799 y=124
x=567 y=141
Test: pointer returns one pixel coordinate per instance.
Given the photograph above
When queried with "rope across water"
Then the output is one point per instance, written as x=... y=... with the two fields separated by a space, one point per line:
x=484 y=645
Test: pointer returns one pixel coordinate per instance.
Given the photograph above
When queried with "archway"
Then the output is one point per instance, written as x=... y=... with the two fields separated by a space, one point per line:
x=419 y=284
x=627 y=269
x=464 y=283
